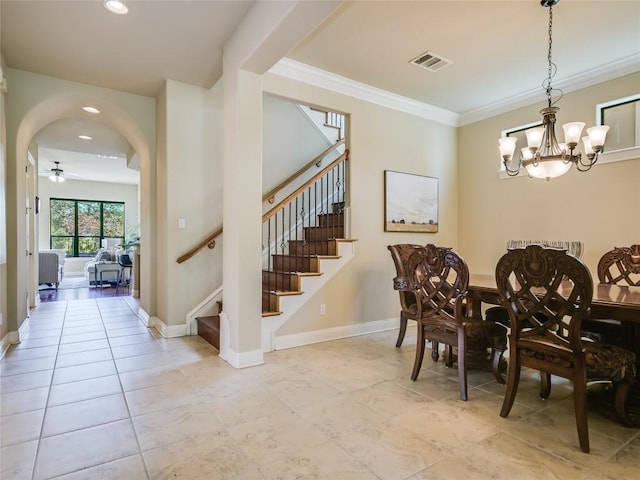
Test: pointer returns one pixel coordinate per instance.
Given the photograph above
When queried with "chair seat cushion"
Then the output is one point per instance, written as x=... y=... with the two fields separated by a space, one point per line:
x=604 y=360
x=483 y=332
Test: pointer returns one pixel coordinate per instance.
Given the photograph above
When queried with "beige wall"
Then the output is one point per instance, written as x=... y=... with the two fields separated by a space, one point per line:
x=189 y=188
x=380 y=139
x=600 y=207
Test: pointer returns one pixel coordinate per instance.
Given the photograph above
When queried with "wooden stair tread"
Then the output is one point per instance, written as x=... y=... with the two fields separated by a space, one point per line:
x=283 y=293
x=300 y=274
x=210 y=321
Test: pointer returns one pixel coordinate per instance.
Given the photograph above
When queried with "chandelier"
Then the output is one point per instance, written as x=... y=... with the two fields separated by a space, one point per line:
x=57 y=174
x=544 y=157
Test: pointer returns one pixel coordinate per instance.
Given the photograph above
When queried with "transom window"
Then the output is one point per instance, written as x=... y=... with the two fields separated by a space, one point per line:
x=623 y=118
x=79 y=226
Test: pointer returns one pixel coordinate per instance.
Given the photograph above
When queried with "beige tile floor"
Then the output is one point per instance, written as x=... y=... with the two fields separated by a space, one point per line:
x=93 y=394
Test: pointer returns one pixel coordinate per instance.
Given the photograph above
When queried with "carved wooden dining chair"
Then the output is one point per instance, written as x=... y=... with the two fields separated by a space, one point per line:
x=551 y=291
x=400 y=254
x=438 y=280
x=620 y=266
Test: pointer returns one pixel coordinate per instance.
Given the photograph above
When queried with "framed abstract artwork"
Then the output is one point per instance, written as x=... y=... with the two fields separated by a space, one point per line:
x=410 y=203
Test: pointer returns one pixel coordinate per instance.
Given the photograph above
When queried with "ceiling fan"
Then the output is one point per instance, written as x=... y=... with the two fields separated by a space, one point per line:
x=56 y=174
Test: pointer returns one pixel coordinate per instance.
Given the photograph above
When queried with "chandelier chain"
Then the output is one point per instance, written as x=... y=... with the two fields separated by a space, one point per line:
x=551 y=67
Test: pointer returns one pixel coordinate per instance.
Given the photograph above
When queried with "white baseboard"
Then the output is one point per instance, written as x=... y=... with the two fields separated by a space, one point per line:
x=23 y=331
x=307 y=338
x=14 y=337
x=169 y=331
x=145 y=318
x=233 y=358
x=243 y=359
x=4 y=345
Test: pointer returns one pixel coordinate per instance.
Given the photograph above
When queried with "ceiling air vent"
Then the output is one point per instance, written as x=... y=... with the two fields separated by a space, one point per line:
x=431 y=61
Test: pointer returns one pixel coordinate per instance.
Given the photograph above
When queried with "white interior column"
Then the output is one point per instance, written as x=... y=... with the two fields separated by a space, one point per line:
x=268 y=32
x=241 y=340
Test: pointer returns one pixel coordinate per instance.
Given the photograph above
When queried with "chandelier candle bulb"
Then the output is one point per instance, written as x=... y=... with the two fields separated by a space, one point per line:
x=534 y=137
x=526 y=153
x=507 y=146
x=572 y=132
x=597 y=136
x=588 y=149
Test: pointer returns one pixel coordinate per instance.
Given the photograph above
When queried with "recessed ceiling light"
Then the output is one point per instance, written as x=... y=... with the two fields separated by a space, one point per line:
x=85 y=137
x=90 y=109
x=115 y=6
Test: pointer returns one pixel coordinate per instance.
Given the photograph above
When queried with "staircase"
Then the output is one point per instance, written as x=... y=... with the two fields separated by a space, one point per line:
x=303 y=242
x=285 y=277
x=315 y=255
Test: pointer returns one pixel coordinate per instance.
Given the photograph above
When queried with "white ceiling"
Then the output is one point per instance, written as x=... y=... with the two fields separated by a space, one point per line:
x=498 y=49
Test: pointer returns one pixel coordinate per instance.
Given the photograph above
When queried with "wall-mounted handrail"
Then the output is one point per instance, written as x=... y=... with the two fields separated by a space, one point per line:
x=270 y=195
x=210 y=242
x=311 y=181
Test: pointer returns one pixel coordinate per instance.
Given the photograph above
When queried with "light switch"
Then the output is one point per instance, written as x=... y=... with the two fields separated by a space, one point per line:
x=182 y=223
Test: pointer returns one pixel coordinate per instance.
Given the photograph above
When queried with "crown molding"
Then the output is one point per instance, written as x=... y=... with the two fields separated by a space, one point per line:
x=321 y=78
x=597 y=75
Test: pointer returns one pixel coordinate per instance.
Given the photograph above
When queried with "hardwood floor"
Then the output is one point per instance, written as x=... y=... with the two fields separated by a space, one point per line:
x=53 y=295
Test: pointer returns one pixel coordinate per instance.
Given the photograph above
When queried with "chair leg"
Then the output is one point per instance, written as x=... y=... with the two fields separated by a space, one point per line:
x=448 y=356
x=580 y=407
x=419 y=352
x=545 y=385
x=623 y=389
x=403 y=329
x=513 y=379
x=495 y=366
x=462 y=362
x=435 y=352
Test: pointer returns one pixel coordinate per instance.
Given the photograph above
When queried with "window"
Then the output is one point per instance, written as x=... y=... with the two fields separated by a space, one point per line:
x=79 y=226
x=623 y=117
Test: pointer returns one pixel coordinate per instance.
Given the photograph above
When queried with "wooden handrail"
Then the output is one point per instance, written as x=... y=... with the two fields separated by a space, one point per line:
x=270 y=195
x=311 y=181
x=210 y=242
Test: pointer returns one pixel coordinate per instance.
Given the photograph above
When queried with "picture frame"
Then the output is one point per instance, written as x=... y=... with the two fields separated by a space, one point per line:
x=410 y=202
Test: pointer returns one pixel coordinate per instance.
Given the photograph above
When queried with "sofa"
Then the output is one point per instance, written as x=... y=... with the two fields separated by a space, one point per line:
x=51 y=267
x=103 y=256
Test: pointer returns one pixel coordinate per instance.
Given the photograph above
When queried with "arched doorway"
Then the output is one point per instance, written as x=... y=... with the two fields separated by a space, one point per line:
x=21 y=278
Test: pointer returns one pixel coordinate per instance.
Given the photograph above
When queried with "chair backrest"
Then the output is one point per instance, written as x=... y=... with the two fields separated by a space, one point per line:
x=124 y=260
x=620 y=266
x=441 y=275
x=400 y=254
x=547 y=290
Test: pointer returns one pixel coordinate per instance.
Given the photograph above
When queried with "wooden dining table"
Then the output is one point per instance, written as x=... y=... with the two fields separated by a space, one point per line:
x=609 y=302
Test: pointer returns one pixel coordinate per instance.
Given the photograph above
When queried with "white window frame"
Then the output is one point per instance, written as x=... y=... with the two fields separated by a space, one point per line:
x=631 y=153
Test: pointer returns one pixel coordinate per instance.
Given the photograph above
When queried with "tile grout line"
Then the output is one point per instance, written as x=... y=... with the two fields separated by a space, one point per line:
x=44 y=414
x=126 y=402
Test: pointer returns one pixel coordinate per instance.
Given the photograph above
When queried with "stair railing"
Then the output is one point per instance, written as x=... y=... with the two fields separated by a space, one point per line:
x=301 y=224
x=209 y=241
x=317 y=161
